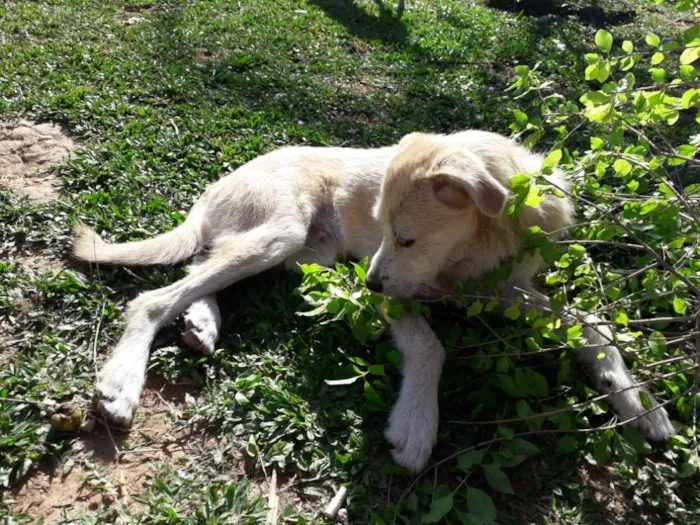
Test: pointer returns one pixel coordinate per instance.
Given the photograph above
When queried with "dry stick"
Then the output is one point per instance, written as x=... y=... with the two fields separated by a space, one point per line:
x=610 y=243
x=574 y=406
x=613 y=327
x=659 y=320
x=331 y=510
x=669 y=361
x=630 y=301
x=626 y=278
x=696 y=386
x=671 y=154
x=262 y=466
x=507 y=344
x=273 y=500
x=520 y=435
x=117 y=451
x=97 y=336
x=559 y=348
x=492 y=341
x=524 y=301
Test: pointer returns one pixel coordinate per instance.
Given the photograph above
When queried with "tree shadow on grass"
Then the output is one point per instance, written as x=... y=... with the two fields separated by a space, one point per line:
x=387 y=27
x=592 y=13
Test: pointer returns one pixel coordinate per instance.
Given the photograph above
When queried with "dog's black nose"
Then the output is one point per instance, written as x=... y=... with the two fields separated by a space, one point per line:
x=374 y=283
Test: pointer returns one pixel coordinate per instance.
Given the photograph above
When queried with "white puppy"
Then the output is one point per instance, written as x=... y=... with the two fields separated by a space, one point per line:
x=428 y=211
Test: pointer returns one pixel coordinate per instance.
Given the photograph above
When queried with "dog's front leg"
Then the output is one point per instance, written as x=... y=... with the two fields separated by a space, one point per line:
x=608 y=371
x=413 y=423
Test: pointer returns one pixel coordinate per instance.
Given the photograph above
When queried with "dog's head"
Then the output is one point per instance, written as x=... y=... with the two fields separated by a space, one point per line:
x=434 y=199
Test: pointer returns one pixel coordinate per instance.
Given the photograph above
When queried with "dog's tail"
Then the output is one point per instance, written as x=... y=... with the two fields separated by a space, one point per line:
x=167 y=248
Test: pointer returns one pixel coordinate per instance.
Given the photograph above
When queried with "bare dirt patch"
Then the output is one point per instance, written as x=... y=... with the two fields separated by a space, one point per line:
x=8 y=342
x=27 y=151
x=101 y=470
x=41 y=263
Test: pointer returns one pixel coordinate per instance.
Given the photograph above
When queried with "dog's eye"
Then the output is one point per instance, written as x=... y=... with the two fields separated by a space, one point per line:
x=405 y=243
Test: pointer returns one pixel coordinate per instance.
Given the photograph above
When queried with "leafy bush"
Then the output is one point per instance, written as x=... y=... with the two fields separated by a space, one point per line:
x=630 y=145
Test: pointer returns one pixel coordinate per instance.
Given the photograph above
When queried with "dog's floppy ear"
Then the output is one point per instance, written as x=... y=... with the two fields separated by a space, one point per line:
x=459 y=179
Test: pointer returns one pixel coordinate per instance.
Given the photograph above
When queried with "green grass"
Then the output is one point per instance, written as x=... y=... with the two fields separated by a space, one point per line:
x=163 y=108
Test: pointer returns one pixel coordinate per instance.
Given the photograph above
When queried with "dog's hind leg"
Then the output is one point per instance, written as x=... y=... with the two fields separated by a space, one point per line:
x=202 y=318
x=607 y=369
x=233 y=257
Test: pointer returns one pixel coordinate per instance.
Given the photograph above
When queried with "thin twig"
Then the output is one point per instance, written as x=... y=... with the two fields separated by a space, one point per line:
x=570 y=407
x=632 y=234
x=437 y=464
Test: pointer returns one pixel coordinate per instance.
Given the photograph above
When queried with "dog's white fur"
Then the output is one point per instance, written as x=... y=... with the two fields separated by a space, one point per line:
x=428 y=211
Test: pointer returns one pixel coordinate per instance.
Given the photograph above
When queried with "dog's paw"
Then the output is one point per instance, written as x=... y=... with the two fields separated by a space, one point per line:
x=412 y=430
x=201 y=328
x=654 y=425
x=118 y=391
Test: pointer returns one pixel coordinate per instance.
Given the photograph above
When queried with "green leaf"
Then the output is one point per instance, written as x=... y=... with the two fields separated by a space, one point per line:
x=686 y=150
x=637 y=440
x=505 y=432
x=481 y=506
x=627 y=63
x=534 y=197
x=621 y=318
x=438 y=509
x=600 y=113
x=537 y=383
x=690 y=55
x=566 y=445
x=475 y=309
x=659 y=75
x=574 y=332
x=657 y=58
x=653 y=40
x=622 y=167
x=657 y=343
x=691 y=34
x=688 y=73
x=627 y=46
x=592 y=58
x=679 y=305
x=497 y=479
x=360 y=272
x=597 y=143
x=602 y=449
x=552 y=160
x=509 y=386
x=359 y=330
x=690 y=98
x=688 y=469
x=595 y=98
x=372 y=396
x=376 y=370
x=520 y=117
x=520 y=446
x=466 y=461
x=625 y=451
x=393 y=357
x=603 y=40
